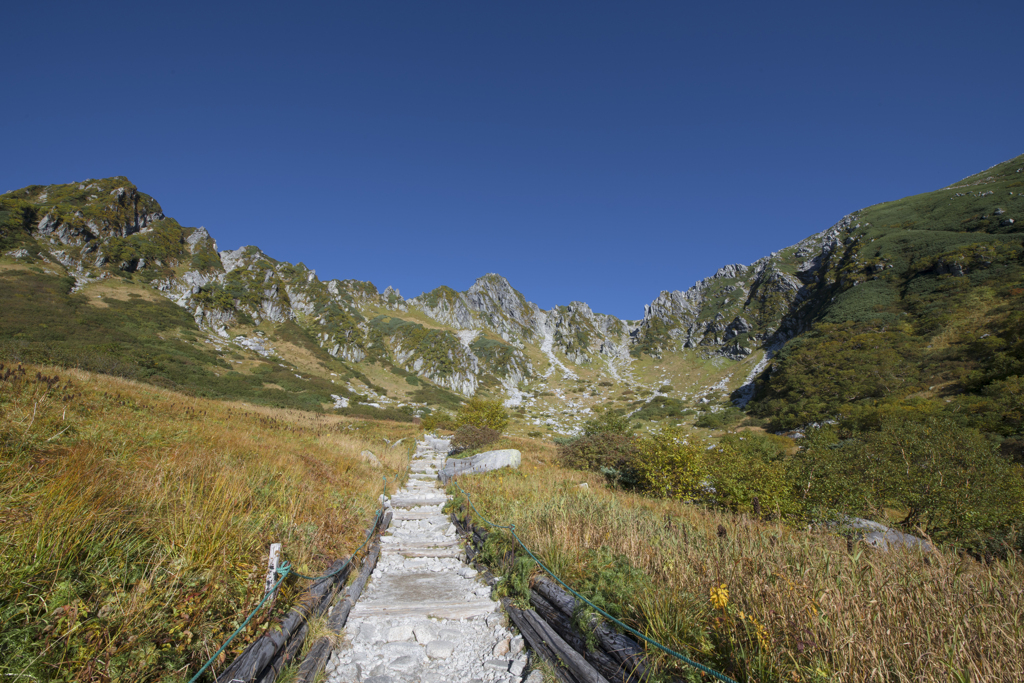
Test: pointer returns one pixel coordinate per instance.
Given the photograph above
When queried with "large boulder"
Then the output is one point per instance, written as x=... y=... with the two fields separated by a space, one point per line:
x=481 y=462
x=884 y=537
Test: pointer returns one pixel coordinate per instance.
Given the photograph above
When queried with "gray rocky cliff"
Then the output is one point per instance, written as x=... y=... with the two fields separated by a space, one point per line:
x=732 y=313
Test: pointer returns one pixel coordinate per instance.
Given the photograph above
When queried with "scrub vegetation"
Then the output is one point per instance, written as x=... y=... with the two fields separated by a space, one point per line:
x=746 y=592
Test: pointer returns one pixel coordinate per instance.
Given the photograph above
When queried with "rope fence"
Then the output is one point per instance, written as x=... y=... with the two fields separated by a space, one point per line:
x=681 y=657
x=285 y=570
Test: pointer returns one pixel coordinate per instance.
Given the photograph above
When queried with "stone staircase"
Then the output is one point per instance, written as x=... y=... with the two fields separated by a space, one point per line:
x=425 y=617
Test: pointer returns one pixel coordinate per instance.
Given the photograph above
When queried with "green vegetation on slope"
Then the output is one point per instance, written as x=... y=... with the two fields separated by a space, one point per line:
x=43 y=322
x=924 y=341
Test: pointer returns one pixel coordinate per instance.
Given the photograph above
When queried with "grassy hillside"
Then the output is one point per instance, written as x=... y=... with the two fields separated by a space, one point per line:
x=936 y=283
x=135 y=521
x=125 y=329
x=760 y=601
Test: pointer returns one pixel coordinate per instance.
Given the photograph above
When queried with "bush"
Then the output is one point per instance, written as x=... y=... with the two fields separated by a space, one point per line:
x=482 y=412
x=468 y=437
x=723 y=419
x=944 y=478
x=749 y=474
x=662 y=407
x=668 y=465
x=599 y=451
x=439 y=419
x=608 y=423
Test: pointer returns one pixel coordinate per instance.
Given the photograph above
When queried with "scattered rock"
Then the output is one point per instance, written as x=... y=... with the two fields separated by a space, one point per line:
x=368 y=456
x=400 y=633
x=502 y=648
x=440 y=649
x=517 y=666
x=404 y=663
x=884 y=538
x=425 y=633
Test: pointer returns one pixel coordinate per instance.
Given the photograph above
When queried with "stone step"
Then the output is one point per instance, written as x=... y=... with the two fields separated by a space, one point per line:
x=453 y=552
x=453 y=609
x=402 y=515
x=416 y=545
x=416 y=502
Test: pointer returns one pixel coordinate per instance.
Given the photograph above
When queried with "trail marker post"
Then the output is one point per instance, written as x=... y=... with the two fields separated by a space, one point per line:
x=275 y=559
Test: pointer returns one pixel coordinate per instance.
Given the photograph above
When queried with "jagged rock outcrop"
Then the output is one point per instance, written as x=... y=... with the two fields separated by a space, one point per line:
x=95 y=227
x=490 y=303
x=741 y=308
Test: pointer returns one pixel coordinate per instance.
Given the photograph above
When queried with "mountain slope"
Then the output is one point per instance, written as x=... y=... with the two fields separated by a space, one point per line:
x=919 y=263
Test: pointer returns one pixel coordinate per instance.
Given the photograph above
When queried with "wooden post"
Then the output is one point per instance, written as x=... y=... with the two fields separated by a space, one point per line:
x=275 y=558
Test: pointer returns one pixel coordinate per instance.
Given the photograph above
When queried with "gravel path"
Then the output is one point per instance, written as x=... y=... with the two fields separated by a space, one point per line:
x=425 y=616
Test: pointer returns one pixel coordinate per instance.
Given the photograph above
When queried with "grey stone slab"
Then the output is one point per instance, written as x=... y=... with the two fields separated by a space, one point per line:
x=397 y=502
x=402 y=515
x=500 y=664
x=481 y=462
x=430 y=553
x=440 y=649
x=456 y=609
x=404 y=663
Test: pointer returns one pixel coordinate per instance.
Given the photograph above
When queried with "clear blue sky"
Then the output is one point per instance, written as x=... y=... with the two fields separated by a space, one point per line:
x=593 y=151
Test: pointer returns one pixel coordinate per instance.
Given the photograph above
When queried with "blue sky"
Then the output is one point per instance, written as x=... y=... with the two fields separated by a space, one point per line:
x=590 y=151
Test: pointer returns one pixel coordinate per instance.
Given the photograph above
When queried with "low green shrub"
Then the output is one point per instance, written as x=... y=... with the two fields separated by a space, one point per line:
x=668 y=464
x=439 y=419
x=470 y=437
x=609 y=423
x=482 y=412
x=723 y=419
x=596 y=452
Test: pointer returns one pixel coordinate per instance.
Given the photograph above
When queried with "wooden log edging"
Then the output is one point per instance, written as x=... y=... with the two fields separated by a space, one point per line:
x=569 y=665
x=617 y=657
x=268 y=654
x=320 y=651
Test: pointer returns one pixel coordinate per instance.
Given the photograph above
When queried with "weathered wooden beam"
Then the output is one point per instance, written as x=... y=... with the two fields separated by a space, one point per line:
x=258 y=660
x=626 y=651
x=320 y=652
x=575 y=669
x=537 y=642
x=563 y=626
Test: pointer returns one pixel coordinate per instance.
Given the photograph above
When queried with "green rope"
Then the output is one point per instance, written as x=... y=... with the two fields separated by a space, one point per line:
x=285 y=570
x=512 y=527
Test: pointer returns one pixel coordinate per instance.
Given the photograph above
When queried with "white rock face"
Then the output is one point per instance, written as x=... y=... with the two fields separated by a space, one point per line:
x=424 y=615
x=481 y=462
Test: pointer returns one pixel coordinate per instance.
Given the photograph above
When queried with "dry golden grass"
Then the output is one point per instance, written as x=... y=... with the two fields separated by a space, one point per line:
x=112 y=288
x=135 y=522
x=798 y=606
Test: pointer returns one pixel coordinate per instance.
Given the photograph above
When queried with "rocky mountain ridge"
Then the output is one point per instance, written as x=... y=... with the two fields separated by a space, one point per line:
x=100 y=228
x=490 y=335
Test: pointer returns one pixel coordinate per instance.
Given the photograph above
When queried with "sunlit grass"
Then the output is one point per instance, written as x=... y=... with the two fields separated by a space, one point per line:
x=800 y=605
x=135 y=522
